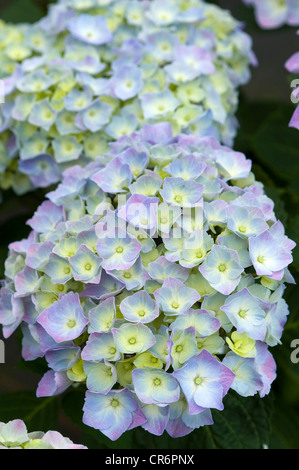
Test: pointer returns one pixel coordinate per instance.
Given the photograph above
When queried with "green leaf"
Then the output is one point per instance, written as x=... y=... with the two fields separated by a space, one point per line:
x=276 y=194
x=3 y=256
x=285 y=428
x=276 y=146
x=251 y=116
x=38 y=366
x=21 y=11
x=293 y=233
x=39 y=414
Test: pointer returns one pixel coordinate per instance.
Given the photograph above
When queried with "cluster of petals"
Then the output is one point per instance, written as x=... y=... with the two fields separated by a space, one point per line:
x=91 y=71
x=155 y=281
x=14 y=435
x=292 y=66
x=272 y=14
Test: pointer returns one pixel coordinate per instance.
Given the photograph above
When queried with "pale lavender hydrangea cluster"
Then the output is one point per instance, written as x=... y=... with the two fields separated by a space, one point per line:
x=155 y=281
x=292 y=65
x=94 y=70
x=14 y=435
x=272 y=14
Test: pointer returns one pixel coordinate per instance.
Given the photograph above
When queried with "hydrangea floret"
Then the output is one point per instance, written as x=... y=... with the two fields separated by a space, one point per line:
x=155 y=302
x=14 y=435
x=292 y=66
x=272 y=14
x=92 y=71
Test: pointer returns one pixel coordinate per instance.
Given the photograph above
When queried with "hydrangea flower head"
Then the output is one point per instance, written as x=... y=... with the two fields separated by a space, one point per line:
x=272 y=14
x=156 y=307
x=14 y=435
x=88 y=73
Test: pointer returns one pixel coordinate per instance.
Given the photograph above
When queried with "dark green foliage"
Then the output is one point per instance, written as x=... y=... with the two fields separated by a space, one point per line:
x=39 y=414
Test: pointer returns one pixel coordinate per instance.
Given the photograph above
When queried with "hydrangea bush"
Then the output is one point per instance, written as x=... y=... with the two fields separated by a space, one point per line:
x=94 y=70
x=272 y=14
x=14 y=435
x=155 y=282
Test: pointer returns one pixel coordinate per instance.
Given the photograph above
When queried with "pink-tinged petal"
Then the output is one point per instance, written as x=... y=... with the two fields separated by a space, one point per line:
x=13 y=433
x=64 y=320
x=204 y=380
x=292 y=64
x=115 y=177
x=112 y=414
x=160 y=133
x=266 y=367
x=174 y=298
x=53 y=383
x=157 y=418
x=294 y=122
x=46 y=217
x=267 y=256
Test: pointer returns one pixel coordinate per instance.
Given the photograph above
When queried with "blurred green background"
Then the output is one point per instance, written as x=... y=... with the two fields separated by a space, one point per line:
x=264 y=136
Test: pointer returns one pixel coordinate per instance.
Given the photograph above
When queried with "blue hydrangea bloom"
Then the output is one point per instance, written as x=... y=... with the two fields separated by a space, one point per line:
x=89 y=72
x=155 y=306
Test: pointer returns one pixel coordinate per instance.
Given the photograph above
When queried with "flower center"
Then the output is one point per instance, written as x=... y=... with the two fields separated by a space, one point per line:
x=222 y=268
x=178 y=199
x=157 y=382
x=175 y=305
x=88 y=267
x=141 y=313
x=68 y=147
x=71 y=323
x=48 y=114
x=132 y=340
x=165 y=47
x=119 y=249
x=260 y=259
x=197 y=381
x=242 y=313
x=114 y=402
x=179 y=348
